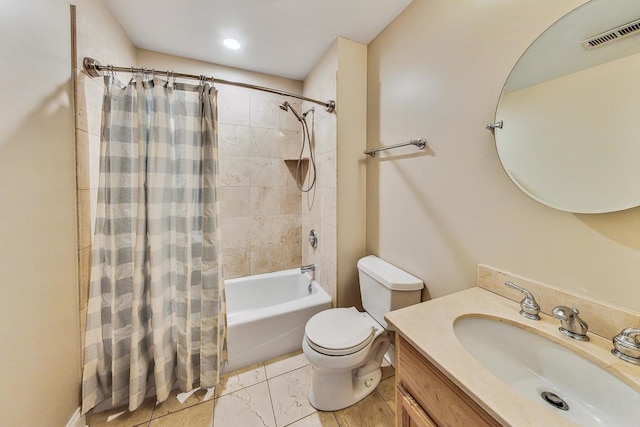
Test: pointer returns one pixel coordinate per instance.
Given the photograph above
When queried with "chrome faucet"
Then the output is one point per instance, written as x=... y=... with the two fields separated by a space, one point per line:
x=307 y=268
x=529 y=307
x=311 y=268
x=570 y=323
x=626 y=345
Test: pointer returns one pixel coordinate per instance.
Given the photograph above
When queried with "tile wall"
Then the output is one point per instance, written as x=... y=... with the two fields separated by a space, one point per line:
x=319 y=205
x=260 y=203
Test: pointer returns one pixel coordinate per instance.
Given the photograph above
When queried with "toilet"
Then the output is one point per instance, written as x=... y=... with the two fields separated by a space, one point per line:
x=345 y=347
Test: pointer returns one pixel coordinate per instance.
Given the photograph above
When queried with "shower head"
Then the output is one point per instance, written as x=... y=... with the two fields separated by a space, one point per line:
x=286 y=106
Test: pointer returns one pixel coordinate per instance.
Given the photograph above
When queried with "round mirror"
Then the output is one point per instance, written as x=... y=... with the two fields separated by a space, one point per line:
x=571 y=111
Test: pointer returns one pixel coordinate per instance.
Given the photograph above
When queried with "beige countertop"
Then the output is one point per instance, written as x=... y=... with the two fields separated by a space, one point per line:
x=428 y=326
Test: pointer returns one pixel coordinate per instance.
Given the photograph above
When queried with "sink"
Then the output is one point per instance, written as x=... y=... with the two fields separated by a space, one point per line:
x=549 y=373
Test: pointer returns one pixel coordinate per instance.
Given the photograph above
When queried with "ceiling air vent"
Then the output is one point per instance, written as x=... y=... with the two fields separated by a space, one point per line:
x=622 y=31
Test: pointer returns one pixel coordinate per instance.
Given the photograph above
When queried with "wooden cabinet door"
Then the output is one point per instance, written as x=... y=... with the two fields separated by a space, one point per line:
x=442 y=400
x=408 y=412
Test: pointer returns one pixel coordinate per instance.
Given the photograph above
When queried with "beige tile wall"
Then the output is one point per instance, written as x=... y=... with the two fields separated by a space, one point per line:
x=319 y=205
x=259 y=201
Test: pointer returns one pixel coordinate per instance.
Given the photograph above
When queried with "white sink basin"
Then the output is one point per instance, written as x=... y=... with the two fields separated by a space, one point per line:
x=532 y=365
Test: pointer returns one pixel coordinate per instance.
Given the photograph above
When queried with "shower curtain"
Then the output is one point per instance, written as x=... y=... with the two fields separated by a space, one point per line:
x=156 y=301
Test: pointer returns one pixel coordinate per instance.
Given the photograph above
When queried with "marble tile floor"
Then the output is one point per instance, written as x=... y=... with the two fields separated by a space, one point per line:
x=272 y=394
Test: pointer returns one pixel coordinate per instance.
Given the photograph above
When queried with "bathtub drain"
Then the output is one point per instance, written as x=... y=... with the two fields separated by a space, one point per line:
x=555 y=401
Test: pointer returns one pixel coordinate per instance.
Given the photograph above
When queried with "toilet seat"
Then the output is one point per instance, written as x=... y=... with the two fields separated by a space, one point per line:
x=340 y=331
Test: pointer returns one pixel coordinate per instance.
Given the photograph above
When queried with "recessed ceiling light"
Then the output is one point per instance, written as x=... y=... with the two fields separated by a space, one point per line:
x=232 y=43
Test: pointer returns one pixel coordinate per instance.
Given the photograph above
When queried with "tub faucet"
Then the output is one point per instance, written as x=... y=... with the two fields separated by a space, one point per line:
x=306 y=268
x=311 y=268
x=570 y=323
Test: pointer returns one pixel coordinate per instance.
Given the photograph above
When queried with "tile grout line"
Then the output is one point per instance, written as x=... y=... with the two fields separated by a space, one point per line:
x=273 y=411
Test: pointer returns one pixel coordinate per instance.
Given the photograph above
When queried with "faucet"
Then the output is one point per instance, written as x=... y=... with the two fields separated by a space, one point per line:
x=311 y=268
x=307 y=268
x=626 y=345
x=570 y=323
x=529 y=307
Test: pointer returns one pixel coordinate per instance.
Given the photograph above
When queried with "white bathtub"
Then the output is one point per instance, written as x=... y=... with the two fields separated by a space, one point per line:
x=267 y=313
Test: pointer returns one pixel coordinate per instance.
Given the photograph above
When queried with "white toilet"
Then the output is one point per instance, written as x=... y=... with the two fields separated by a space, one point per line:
x=345 y=347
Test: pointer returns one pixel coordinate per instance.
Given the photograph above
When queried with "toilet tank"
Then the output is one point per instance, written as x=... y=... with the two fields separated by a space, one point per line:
x=385 y=287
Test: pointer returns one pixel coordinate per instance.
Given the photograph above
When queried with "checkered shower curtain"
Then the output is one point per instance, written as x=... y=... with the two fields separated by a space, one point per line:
x=156 y=301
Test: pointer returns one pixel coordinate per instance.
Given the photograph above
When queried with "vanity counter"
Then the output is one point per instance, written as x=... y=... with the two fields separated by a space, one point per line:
x=428 y=327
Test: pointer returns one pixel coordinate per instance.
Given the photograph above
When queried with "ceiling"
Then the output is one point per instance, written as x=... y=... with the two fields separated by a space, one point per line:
x=280 y=37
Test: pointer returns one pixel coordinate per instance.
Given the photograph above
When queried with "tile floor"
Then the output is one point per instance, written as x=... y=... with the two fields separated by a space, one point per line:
x=273 y=394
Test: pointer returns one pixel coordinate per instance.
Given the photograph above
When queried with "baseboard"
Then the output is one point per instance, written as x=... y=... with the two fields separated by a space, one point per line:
x=76 y=419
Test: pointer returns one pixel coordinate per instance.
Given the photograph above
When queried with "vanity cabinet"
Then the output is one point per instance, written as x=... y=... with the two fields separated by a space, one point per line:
x=425 y=397
x=408 y=411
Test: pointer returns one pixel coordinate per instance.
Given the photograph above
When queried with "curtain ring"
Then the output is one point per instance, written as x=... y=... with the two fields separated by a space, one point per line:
x=133 y=74
x=153 y=73
x=173 y=77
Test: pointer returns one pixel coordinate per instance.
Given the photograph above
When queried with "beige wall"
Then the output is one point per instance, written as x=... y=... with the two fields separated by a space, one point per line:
x=437 y=71
x=351 y=167
x=40 y=366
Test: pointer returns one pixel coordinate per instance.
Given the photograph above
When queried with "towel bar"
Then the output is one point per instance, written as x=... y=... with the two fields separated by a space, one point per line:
x=420 y=143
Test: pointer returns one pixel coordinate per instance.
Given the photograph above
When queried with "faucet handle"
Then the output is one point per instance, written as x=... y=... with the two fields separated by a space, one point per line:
x=570 y=323
x=529 y=307
x=626 y=345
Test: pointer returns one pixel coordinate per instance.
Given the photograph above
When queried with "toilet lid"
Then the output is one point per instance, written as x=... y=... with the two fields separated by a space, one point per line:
x=339 y=331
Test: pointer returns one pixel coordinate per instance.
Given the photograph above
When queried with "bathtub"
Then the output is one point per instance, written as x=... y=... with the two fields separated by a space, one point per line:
x=267 y=313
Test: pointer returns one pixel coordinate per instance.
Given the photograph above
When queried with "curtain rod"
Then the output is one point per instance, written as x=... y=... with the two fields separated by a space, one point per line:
x=93 y=68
